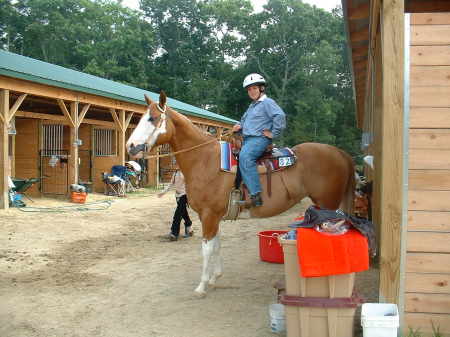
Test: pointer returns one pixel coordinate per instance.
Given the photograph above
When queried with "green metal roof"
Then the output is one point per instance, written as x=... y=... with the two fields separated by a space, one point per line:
x=26 y=68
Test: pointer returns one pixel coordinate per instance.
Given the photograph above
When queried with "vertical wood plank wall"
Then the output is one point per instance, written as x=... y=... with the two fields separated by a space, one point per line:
x=427 y=279
x=27 y=151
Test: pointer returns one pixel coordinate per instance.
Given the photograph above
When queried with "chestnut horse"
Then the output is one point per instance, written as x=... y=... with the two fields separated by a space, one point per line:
x=323 y=172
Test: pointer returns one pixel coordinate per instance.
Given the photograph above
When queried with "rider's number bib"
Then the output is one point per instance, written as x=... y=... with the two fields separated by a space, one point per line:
x=285 y=161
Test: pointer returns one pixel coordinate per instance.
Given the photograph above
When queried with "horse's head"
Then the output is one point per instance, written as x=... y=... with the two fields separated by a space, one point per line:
x=153 y=129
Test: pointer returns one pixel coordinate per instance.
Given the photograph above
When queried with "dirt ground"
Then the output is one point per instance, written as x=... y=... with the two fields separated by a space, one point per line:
x=103 y=270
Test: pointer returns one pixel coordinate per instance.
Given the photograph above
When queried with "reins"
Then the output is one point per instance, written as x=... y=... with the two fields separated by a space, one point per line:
x=189 y=148
x=180 y=151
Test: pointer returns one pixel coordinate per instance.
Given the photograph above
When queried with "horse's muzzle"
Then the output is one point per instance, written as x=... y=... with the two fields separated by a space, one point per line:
x=134 y=150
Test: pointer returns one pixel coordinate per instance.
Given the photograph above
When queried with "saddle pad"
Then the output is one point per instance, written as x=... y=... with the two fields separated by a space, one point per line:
x=281 y=158
x=227 y=161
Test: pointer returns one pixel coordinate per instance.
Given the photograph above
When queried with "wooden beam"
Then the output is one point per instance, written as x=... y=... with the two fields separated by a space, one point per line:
x=66 y=113
x=42 y=90
x=16 y=106
x=116 y=119
x=373 y=24
x=4 y=160
x=427 y=6
x=127 y=122
x=360 y=35
x=360 y=65
x=63 y=120
x=83 y=113
x=391 y=198
x=359 y=52
x=359 y=12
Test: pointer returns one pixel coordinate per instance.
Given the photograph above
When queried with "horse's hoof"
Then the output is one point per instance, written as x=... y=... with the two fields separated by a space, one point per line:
x=200 y=291
x=212 y=281
x=200 y=294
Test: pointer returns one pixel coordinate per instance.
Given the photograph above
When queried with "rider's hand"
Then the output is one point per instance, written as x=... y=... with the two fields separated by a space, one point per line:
x=236 y=127
x=268 y=133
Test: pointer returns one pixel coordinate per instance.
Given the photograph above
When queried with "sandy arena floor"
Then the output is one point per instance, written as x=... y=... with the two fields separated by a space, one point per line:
x=106 y=272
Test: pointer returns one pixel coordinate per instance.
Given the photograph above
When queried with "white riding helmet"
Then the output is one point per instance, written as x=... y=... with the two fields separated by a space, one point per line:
x=253 y=79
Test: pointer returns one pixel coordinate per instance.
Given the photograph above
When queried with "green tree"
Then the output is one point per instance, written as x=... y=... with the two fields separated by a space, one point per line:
x=101 y=38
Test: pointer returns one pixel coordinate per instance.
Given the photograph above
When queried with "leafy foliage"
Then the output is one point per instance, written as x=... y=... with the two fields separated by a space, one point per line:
x=199 y=51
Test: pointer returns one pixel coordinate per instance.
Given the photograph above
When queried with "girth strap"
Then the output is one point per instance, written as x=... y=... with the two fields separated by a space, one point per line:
x=268 y=166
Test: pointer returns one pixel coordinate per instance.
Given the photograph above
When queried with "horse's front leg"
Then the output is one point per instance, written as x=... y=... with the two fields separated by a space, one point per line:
x=212 y=264
x=217 y=263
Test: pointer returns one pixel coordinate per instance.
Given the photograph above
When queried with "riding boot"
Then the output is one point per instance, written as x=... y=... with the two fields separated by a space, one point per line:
x=256 y=200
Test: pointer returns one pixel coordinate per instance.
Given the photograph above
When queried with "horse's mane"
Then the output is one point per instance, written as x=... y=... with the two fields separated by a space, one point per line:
x=179 y=118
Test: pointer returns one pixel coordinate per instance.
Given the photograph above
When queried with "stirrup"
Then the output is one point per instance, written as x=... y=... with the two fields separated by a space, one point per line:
x=256 y=200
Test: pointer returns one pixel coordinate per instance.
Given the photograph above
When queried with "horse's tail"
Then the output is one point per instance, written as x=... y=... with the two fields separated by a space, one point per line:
x=349 y=196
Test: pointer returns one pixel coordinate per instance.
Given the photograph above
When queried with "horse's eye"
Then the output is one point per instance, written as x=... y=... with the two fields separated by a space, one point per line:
x=151 y=119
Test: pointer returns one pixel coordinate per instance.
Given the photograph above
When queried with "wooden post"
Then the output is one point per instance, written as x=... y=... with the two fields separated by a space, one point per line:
x=122 y=122
x=74 y=158
x=12 y=155
x=391 y=198
x=122 y=137
x=75 y=119
x=4 y=160
x=378 y=106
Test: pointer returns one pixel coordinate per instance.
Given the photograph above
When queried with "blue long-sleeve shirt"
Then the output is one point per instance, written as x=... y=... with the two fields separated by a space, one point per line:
x=263 y=114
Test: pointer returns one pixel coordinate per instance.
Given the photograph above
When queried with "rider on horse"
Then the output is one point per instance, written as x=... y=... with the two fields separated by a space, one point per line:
x=263 y=121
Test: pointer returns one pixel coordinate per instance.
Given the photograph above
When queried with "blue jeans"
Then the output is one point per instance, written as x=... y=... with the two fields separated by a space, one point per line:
x=252 y=149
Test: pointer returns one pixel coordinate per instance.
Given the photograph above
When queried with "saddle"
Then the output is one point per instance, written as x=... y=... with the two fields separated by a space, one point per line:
x=273 y=159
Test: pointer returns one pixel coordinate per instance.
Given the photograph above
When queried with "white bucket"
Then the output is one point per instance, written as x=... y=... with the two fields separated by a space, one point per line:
x=277 y=320
x=379 y=319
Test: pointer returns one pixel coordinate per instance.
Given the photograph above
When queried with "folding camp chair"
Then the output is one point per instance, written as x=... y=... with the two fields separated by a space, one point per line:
x=125 y=174
x=114 y=185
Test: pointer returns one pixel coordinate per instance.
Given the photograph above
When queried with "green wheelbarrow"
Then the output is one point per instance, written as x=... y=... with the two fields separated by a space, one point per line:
x=22 y=185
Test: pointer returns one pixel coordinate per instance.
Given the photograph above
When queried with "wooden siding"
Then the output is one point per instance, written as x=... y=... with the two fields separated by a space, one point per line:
x=427 y=279
x=27 y=151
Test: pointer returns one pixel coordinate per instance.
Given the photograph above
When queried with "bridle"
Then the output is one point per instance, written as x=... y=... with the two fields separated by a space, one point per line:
x=163 y=118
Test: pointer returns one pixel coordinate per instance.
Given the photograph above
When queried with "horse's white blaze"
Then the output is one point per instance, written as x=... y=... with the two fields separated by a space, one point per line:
x=146 y=132
x=212 y=263
x=159 y=131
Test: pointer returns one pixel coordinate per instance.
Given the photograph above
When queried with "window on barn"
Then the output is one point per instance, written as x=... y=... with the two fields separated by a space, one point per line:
x=105 y=142
x=52 y=139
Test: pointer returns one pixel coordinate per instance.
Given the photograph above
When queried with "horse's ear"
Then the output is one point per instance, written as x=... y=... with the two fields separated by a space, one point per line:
x=162 y=99
x=148 y=99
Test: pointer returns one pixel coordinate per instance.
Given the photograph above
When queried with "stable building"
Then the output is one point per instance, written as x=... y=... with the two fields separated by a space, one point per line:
x=400 y=58
x=64 y=126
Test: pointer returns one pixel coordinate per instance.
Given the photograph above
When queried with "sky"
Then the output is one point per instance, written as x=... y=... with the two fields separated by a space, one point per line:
x=257 y=4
